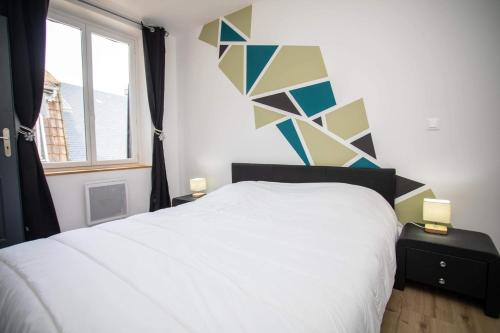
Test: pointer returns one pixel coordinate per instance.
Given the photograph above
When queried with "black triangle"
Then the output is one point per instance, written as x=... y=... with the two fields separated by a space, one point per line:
x=405 y=185
x=365 y=143
x=222 y=49
x=279 y=101
x=318 y=121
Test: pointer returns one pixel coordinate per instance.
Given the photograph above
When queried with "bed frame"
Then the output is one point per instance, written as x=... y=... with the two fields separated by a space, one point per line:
x=382 y=181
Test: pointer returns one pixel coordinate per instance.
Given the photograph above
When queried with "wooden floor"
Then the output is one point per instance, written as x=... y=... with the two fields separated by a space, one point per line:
x=421 y=309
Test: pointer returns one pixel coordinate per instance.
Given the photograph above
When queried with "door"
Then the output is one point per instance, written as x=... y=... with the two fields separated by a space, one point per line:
x=11 y=219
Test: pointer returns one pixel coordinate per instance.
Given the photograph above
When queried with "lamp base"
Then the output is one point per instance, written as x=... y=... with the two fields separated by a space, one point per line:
x=198 y=194
x=436 y=229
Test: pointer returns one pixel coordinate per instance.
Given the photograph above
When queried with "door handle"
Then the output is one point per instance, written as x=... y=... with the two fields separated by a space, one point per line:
x=6 y=142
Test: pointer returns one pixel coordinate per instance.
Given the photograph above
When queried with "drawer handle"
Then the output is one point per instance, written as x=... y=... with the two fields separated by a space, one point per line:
x=442 y=263
x=441 y=281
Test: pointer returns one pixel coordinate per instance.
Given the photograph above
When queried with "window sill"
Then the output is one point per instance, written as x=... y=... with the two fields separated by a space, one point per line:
x=100 y=168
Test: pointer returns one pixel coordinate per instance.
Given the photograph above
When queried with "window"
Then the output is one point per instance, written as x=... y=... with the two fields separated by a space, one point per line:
x=87 y=115
x=110 y=71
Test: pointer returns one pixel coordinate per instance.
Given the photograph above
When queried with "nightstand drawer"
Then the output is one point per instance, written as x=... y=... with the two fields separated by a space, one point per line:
x=448 y=272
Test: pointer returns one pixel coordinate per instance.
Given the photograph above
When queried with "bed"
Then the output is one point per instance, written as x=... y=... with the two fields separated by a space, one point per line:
x=282 y=249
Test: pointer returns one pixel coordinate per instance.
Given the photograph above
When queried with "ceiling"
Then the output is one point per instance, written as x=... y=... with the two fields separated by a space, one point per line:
x=174 y=15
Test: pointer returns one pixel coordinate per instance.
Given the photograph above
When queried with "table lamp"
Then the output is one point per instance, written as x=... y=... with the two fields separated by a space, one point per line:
x=438 y=213
x=198 y=186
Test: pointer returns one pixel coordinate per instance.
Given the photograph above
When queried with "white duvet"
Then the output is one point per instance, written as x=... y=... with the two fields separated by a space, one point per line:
x=249 y=257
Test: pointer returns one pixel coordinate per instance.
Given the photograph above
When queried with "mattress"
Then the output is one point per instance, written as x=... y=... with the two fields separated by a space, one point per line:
x=248 y=257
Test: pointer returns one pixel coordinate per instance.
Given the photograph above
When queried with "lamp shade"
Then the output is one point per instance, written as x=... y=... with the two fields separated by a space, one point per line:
x=198 y=184
x=437 y=210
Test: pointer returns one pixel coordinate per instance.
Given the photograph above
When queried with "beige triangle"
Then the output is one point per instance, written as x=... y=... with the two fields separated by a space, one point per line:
x=210 y=33
x=242 y=19
x=323 y=149
x=232 y=65
x=292 y=65
x=410 y=210
x=348 y=120
x=264 y=116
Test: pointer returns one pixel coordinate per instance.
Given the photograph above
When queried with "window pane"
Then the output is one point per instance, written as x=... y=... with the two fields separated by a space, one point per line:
x=60 y=131
x=110 y=70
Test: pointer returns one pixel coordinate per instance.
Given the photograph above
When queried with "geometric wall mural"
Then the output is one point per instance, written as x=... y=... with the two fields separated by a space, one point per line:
x=289 y=88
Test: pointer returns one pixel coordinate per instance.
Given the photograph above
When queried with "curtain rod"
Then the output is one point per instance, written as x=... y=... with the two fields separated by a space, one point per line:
x=119 y=15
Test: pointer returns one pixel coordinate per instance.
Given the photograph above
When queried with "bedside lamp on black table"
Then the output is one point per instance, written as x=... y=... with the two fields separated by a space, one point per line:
x=198 y=187
x=438 y=212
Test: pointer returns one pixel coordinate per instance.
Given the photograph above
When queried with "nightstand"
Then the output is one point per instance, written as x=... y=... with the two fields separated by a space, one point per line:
x=463 y=261
x=182 y=200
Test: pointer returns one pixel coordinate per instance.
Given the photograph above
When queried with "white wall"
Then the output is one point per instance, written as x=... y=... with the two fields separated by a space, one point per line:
x=68 y=194
x=68 y=191
x=409 y=60
x=171 y=118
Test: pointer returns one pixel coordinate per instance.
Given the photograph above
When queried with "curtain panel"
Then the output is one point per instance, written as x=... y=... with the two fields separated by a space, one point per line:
x=27 y=23
x=154 y=60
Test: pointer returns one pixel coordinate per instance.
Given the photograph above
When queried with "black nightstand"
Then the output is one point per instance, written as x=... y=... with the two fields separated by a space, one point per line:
x=463 y=261
x=182 y=200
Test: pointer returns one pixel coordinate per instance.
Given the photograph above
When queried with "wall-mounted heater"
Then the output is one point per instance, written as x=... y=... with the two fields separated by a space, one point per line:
x=106 y=201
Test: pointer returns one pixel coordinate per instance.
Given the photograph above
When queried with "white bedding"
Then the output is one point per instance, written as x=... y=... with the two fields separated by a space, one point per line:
x=249 y=257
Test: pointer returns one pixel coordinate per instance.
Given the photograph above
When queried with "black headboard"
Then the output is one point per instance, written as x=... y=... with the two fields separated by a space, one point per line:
x=382 y=181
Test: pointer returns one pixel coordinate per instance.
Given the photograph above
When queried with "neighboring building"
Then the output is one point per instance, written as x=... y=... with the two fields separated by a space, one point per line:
x=74 y=120
x=50 y=131
x=61 y=126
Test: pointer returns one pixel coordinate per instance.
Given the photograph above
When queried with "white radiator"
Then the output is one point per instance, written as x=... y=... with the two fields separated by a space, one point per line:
x=106 y=201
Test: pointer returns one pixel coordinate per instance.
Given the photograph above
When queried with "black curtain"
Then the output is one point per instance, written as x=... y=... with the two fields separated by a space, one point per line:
x=154 y=61
x=27 y=20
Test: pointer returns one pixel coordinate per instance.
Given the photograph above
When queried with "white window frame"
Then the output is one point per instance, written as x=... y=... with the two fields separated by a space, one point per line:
x=87 y=28
x=40 y=135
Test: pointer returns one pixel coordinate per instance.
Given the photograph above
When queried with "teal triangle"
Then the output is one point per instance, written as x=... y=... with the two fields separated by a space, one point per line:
x=315 y=98
x=290 y=133
x=229 y=35
x=257 y=58
x=364 y=163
